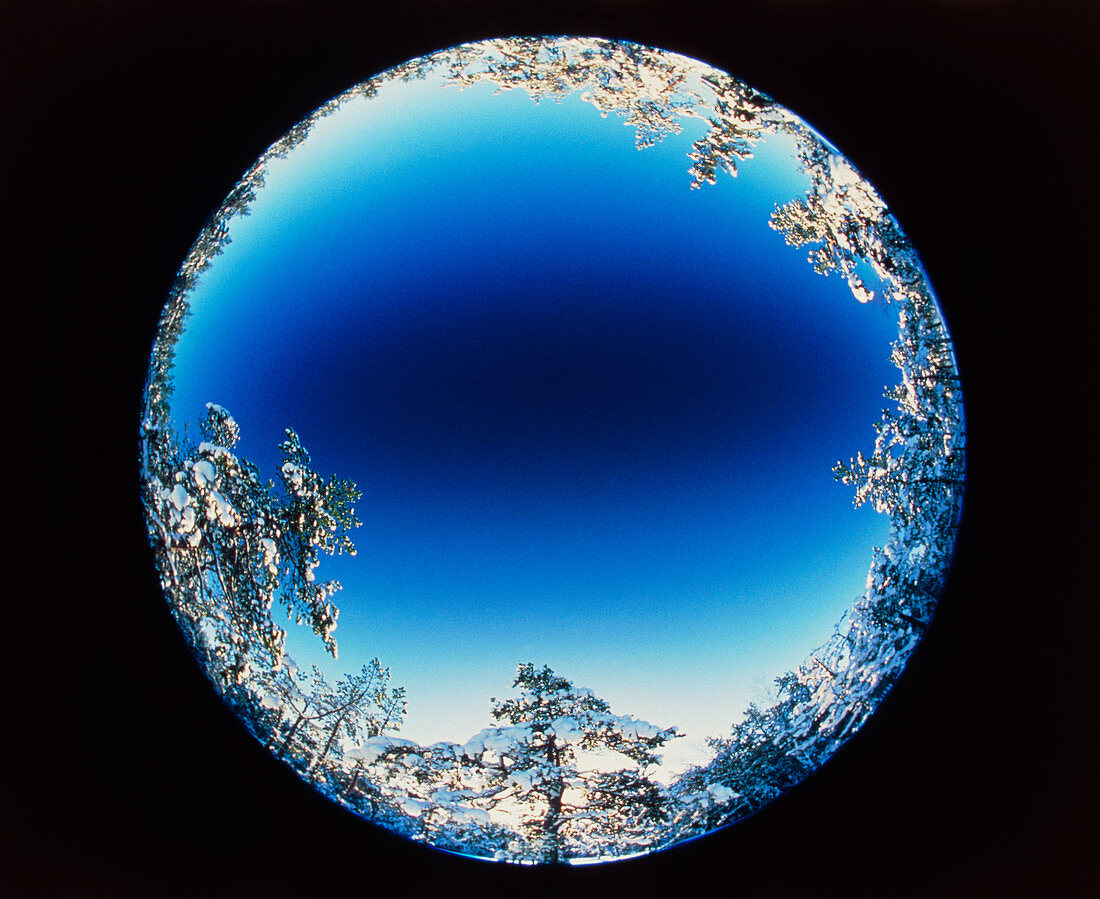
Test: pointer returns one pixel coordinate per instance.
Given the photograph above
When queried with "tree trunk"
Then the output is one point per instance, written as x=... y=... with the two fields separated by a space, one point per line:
x=290 y=734
x=354 y=779
x=328 y=742
x=552 y=824
x=351 y=704
x=916 y=622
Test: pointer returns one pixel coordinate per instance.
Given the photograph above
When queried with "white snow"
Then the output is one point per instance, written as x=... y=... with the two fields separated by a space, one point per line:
x=721 y=792
x=204 y=473
x=271 y=701
x=860 y=290
x=212 y=449
x=374 y=748
x=293 y=474
x=271 y=554
x=841 y=171
x=566 y=730
x=496 y=742
x=218 y=507
x=179 y=497
x=414 y=807
x=634 y=729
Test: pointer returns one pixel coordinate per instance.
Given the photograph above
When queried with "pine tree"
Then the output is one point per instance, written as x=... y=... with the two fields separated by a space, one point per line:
x=312 y=723
x=533 y=766
x=564 y=803
x=754 y=763
x=226 y=545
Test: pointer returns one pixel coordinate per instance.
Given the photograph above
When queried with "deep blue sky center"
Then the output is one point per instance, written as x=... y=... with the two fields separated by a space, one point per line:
x=592 y=412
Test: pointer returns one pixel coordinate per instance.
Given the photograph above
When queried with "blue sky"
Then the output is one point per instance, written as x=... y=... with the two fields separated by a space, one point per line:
x=592 y=412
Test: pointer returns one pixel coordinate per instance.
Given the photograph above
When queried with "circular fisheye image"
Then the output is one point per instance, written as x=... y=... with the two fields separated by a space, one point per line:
x=552 y=450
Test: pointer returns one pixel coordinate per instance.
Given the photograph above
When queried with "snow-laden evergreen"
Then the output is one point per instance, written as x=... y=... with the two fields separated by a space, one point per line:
x=529 y=787
x=914 y=474
x=227 y=545
x=228 y=548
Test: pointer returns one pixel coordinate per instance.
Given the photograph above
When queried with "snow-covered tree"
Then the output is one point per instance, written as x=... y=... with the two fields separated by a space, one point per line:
x=750 y=767
x=572 y=777
x=913 y=474
x=314 y=724
x=845 y=223
x=565 y=805
x=227 y=544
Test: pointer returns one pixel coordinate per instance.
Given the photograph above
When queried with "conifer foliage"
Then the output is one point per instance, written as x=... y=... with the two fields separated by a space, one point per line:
x=574 y=777
x=228 y=545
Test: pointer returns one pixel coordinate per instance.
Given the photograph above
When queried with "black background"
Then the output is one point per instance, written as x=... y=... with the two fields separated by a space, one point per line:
x=129 y=122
